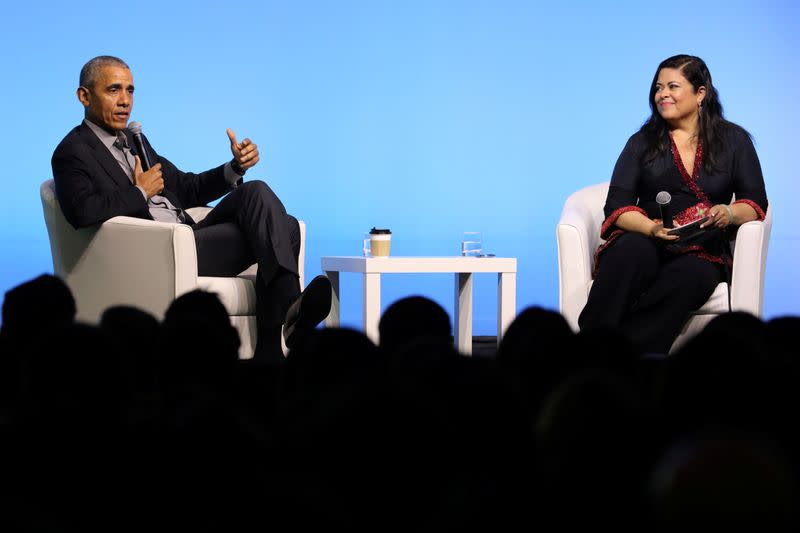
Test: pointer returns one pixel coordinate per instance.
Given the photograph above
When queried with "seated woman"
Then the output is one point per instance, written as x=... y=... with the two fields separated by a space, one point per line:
x=647 y=281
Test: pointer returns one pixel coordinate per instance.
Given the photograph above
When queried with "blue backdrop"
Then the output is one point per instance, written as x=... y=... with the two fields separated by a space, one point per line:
x=430 y=117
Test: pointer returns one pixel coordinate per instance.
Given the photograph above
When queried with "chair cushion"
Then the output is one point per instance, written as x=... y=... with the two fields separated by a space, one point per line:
x=717 y=303
x=238 y=294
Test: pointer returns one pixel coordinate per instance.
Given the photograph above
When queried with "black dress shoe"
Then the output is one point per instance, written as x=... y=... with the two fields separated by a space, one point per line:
x=310 y=308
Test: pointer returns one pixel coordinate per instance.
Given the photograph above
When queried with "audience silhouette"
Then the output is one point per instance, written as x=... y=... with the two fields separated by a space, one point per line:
x=724 y=480
x=410 y=319
x=162 y=425
x=30 y=312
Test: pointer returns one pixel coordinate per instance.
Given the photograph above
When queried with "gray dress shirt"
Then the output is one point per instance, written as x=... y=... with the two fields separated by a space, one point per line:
x=161 y=209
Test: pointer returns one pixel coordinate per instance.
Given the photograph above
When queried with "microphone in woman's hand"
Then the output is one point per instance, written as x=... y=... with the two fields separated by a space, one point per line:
x=663 y=199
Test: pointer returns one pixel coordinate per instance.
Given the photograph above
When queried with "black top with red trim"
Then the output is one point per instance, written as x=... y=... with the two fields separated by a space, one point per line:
x=634 y=187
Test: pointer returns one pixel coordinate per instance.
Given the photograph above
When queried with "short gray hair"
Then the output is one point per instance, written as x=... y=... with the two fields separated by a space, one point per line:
x=92 y=68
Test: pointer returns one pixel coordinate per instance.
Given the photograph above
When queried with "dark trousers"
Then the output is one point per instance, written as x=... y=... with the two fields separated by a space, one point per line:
x=250 y=225
x=647 y=292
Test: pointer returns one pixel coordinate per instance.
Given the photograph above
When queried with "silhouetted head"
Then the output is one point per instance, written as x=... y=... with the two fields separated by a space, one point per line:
x=331 y=362
x=129 y=321
x=536 y=333
x=197 y=335
x=587 y=421
x=724 y=481
x=330 y=353
x=34 y=307
x=536 y=353
x=329 y=397
x=737 y=325
x=32 y=312
x=593 y=444
x=411 y=318
x=720 y=376
x=729 y=336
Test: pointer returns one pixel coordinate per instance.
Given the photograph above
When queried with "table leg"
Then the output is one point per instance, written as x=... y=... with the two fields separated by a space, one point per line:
x=506 y=301
x=372 y=305
x=334 y=318
x=463 y=312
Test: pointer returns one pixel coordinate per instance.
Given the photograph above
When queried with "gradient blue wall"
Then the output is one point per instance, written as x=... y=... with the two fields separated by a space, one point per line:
x=429 y=117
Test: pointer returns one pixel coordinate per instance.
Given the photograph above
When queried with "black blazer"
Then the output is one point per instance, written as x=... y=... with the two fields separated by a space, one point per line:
x=91 y=187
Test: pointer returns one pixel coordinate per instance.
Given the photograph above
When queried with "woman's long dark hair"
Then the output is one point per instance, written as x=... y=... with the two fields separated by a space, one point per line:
x=712 y=123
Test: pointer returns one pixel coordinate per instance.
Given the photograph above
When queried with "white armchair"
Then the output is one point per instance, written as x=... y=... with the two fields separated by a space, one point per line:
x=145 y=264
x=578 y=236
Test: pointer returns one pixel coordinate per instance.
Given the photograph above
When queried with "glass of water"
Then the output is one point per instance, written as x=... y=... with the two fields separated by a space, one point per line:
x=471 y=244
x=366 y=247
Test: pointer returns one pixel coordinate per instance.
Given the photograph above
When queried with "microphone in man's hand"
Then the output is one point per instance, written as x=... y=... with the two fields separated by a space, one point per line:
x=136 y=130
x=663 y=199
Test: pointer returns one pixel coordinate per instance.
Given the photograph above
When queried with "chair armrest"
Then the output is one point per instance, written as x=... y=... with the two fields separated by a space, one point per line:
x=575 y=255
x=132 y=261
x=749 y=266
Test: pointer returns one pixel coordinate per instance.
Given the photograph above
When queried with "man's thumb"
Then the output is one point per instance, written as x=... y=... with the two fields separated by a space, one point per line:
x=137 y=168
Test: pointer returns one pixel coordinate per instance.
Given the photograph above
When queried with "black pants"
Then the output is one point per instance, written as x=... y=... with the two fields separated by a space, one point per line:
x=250 y=225
x=647 y=292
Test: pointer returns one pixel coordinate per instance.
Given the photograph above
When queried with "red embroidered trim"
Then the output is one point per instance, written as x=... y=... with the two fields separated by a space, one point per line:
x=612 y=218
x=692 y=213
x=755 y=206
x=690 y=181
x=700 y=252
x=611 y=238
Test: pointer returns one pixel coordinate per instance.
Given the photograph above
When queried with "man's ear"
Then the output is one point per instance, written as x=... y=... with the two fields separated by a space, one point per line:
x=83 y=95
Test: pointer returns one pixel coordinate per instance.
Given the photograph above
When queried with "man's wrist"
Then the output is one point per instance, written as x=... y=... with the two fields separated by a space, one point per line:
x=236 y=167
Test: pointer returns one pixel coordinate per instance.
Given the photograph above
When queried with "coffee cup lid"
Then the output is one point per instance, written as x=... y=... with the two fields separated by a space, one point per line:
x=379 y=231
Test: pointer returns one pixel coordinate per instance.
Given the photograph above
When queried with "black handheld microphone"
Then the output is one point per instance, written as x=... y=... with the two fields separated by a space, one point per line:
x=663 y=199
x=136 y=130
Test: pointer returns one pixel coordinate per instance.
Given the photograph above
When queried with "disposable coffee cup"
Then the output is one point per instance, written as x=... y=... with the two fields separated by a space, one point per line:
x=379 y=242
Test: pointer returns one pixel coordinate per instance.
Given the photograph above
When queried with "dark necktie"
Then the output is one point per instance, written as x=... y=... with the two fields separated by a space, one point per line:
x=122 y=141
x=122 y=144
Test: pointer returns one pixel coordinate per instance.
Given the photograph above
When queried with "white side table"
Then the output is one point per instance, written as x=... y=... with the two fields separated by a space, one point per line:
x=462 y=267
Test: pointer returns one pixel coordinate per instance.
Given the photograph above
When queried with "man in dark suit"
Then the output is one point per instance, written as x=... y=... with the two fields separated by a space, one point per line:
x=98 y=174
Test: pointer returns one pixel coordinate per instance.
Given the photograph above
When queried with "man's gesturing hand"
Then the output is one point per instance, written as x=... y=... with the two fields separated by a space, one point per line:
x=245 y=153
x=151 y=181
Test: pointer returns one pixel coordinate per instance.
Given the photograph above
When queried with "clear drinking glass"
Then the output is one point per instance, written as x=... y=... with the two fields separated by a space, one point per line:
x=366 y=247
x=471 y=243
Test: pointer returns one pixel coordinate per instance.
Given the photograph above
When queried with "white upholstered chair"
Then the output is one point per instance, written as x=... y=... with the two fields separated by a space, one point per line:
x=145 y=264
x=578 y=236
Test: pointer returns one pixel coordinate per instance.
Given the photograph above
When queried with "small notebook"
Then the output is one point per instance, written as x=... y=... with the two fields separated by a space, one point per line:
x=691 y=229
